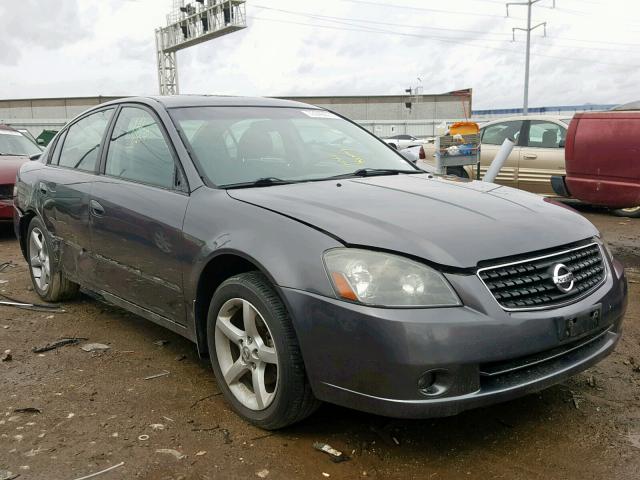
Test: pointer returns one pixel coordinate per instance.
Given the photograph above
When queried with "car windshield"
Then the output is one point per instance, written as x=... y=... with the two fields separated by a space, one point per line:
x=241 y=145
x=14 y=143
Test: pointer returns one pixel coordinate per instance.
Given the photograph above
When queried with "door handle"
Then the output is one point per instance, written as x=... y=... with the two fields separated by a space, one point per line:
x=96 y=209
x=530 y=155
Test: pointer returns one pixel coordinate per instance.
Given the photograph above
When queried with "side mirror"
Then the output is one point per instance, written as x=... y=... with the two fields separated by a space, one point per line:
x=35 y=156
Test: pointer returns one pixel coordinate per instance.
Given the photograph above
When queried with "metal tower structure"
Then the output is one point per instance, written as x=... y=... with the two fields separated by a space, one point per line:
x=191 y=23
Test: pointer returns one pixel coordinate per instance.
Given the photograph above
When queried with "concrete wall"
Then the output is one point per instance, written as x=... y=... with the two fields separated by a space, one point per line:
x=383 y=115
x=45 y=113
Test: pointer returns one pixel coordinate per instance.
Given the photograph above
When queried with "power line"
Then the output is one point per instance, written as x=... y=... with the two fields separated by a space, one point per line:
x=375 y=22
x=348 y=21
x=424 y=9
x=448 y=40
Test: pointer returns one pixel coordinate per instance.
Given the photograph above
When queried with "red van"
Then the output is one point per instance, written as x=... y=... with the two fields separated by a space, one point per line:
x=602 y=154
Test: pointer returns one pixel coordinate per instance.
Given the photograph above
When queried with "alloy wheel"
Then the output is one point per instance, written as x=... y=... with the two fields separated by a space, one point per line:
x=39 y=259
x=246 y=354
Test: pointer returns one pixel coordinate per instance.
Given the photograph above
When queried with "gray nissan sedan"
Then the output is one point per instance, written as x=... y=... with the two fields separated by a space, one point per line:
x=311 y=262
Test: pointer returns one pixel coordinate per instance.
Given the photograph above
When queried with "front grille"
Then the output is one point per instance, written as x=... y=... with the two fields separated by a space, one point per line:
x=6 y=192
x=528 y=284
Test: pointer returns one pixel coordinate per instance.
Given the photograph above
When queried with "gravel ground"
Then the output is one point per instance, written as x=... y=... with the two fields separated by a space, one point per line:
x=97 y=410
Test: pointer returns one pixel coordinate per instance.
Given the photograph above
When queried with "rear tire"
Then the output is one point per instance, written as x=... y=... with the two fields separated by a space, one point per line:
x=633 y=212
x=48 y=280
x=251 y=338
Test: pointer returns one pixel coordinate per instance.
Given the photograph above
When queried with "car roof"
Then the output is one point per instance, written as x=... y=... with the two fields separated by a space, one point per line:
x=557 y=118
x=177 y=101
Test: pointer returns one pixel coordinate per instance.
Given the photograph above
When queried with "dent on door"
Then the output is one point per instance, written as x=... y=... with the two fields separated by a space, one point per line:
x=64 y=198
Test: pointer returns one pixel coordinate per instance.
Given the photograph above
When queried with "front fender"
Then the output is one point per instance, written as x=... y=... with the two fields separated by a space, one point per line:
x=288 y=252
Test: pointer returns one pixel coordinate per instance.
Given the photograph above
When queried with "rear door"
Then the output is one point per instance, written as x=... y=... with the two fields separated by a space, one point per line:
x=541 y=155
x=65 y=189
x=137 y=209
x=492 y=137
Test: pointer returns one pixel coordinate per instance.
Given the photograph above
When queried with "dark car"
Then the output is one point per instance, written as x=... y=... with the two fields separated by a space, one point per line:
x=15 y=149
x=311 y=262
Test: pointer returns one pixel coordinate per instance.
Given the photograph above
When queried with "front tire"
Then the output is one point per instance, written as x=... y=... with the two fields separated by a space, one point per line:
x=632 y=212
x=48 y=281
x=255 y=354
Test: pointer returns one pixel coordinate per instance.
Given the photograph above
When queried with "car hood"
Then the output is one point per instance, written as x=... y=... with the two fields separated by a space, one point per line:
x=450 y=222
x=9 y=166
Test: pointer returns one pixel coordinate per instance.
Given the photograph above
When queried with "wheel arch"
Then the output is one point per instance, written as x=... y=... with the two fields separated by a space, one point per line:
x=23 y=228
x=218 y=268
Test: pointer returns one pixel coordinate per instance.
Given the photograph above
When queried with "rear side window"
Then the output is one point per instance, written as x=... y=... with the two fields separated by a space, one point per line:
x=496 y=134
x=139 y=152
x=82 y=143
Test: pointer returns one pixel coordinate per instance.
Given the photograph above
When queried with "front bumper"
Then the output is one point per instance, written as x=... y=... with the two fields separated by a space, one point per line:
x=371 y=359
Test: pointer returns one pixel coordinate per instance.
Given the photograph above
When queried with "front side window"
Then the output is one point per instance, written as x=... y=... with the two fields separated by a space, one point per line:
x=14 y=143
x=496 y=134
x=545 y=135
x=82 y=143
x=238 y=145
x=139 y=152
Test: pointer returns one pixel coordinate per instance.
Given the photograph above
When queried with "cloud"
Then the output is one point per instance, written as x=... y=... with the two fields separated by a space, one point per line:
x=34 y=23
x=107 y=47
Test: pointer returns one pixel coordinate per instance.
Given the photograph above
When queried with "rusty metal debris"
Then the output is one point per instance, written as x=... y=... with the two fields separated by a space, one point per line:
x=57 y=344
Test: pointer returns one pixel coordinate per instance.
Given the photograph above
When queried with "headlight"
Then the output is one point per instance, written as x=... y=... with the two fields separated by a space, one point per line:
x=383 y=279
x=606 y=247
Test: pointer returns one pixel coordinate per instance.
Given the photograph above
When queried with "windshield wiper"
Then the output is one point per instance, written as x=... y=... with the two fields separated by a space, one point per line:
x=260 y=182
x=372 y=172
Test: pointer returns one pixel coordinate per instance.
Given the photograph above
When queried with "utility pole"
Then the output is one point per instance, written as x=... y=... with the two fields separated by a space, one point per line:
x=528 y=4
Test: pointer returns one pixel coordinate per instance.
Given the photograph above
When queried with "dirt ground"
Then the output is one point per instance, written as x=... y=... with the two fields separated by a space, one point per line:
x=98 y=411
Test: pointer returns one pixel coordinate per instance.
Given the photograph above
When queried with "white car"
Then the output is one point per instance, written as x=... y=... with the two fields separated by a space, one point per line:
x=403 y=141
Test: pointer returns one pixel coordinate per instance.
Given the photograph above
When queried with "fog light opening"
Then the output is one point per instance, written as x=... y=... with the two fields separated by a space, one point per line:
x=427 y=383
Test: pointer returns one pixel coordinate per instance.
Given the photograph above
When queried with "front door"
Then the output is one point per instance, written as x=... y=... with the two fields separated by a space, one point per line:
x=137 y=210
x=541 y=156
x=492 y=138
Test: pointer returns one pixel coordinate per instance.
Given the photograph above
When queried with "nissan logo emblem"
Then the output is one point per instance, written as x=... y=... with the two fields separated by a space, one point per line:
x=563 y=278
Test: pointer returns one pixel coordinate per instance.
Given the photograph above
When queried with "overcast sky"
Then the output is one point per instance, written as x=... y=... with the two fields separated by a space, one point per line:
x=54 y=48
